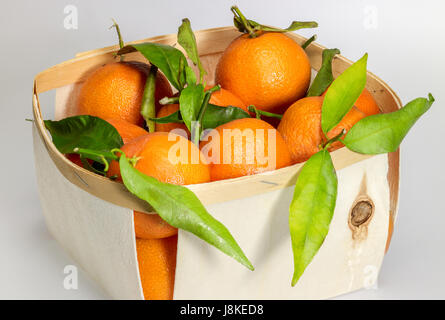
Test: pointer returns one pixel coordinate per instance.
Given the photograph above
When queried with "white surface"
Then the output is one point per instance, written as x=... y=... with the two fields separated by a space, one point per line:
x=406 y=49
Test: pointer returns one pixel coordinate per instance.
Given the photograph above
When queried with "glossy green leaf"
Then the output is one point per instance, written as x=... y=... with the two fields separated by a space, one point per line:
x=190 y=76
x=311 y=209
x=324 y=76
x=382 y=133
x=213 y=117
x=187 y=40
x=174 y=117
x=180 y=207
x=190 y=102
x=343 y=93
x=148 y=104
x=168 y=59
x=84 y=132
x=216 y=115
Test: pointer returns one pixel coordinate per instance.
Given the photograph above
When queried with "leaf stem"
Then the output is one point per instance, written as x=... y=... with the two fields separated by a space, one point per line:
x=309 y=41
x=89 y=167
x=328 y=143
x=169 y=100
x=196 y=134
x=119 y=36
x=260 y=113
x=148 y=107
x=95 y=153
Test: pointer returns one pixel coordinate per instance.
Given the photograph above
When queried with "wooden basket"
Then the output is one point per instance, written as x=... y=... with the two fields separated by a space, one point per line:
x=91 y=216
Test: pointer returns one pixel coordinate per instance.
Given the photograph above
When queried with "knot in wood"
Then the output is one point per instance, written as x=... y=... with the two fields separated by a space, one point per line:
x=361 y=212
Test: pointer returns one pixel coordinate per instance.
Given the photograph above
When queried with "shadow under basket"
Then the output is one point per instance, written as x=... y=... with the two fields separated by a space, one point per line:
x=91 y=216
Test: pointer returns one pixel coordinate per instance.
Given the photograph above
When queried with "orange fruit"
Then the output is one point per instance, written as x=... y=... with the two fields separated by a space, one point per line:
x=152 y=150
x=157 y=257
x=167 y=127
x=127 y=130
x=301 y=125
x=224 y=98
x=114 y=91
x=270 y=71
x=301 y=128
x=157 y=159
x=151 y=226
x=367 y=104
x=157 y=264
x=231 y=157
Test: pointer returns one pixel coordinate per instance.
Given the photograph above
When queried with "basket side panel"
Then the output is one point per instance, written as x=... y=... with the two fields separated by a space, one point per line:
x=98 y=235
x=347 y=261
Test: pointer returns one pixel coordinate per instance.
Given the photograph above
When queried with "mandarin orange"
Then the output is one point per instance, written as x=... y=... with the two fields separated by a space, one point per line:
x=301 y=127
x=244 y=147
x=270 y=71
x=157 y=265
x=224 y=98
x=156 y=159
x=114 y=91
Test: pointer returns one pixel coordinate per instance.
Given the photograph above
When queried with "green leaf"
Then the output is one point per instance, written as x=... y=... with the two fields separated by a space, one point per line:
x=383 y=133
x=180 y=207
x=213 y=117
x=343 y=93
x=169 y=60
x=311 y=209
x=324 y=76
x=216 y=115
x=84 y=132
x=190 y=102
x=174 y=117
x=190 y=76
x=148 y=104
x=187 y=40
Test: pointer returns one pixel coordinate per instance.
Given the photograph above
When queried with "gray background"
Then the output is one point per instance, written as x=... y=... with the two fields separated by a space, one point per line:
x=406 y=49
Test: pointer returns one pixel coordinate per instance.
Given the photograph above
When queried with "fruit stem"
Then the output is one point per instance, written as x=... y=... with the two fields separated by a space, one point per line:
x=260 y=113
x=148 y=107
x=237 y=12
x=119 y=36
x=169 y=100
x=309 y=41
x=118 y=30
